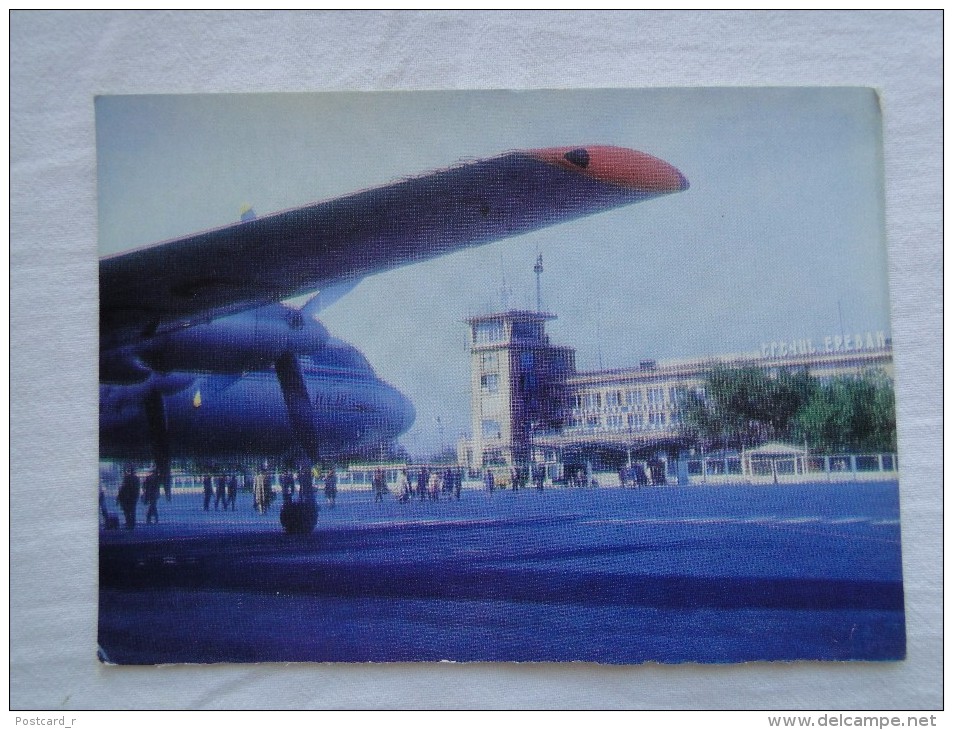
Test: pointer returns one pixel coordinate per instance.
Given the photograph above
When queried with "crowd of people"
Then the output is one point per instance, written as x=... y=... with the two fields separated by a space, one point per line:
x=637 y=475
x=225 y=491
x=428 y=483
x=131 y=492
x=425 y=483
x=222 y=487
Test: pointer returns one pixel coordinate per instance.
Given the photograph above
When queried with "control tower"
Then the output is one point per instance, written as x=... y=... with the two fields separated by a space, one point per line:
x=517 y=385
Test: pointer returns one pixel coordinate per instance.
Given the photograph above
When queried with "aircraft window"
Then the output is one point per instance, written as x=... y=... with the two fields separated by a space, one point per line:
x=579 y=157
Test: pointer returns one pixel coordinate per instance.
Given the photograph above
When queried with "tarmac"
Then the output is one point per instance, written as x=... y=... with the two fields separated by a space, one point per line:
x=667 y=574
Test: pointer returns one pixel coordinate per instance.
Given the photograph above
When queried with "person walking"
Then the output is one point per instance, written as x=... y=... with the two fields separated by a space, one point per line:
x=539 y=476
x=306 y=484
x=488 y=481
x=220 y=492
x=379 y=483
x=208 y=492
x=331 y=487
x=128 y=497
x=403 y=487
x=150 y=493
x=287 y=485
x=232 y=492
x=260 y=492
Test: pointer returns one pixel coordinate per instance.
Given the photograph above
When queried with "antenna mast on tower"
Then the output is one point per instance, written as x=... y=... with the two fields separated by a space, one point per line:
x=539 y=272
x=504 y=294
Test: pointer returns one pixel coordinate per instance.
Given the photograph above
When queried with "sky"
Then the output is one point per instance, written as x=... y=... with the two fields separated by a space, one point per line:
x=780 y=236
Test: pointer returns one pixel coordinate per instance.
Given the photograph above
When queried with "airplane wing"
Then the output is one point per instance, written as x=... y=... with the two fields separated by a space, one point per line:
x=178 y=283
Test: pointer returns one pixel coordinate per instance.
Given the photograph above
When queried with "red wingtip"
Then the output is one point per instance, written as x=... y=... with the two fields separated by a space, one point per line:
x=618 y=166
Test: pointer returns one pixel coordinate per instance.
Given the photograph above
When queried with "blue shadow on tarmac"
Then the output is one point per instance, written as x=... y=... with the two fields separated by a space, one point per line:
x=667 y=574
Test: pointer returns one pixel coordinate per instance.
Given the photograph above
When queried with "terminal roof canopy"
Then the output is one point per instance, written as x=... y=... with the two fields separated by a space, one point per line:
x=776 y=449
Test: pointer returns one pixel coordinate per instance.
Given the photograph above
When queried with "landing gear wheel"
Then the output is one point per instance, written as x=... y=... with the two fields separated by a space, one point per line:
x=299 y=518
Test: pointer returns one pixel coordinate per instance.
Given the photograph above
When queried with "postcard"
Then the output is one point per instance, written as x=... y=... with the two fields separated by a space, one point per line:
x=596 y=376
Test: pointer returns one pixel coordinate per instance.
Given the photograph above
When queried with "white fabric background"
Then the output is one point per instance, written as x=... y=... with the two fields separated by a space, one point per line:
x=59 y=61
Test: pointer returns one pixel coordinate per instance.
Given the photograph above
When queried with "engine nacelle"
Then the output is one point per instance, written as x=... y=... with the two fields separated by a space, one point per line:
x=237 y=344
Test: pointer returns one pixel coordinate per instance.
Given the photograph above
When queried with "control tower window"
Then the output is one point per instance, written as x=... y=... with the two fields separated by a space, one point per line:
x=491 y=429
x=490 y=383
x=527 y=331
x=493 y=457
x=490 y=361
x=485 y=332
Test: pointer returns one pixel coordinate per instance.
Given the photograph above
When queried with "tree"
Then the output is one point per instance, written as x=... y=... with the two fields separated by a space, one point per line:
x=746 y=406
x=850 y=414
x=743 y=407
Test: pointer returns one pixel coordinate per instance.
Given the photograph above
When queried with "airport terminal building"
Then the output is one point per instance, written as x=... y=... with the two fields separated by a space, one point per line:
x=529 y=404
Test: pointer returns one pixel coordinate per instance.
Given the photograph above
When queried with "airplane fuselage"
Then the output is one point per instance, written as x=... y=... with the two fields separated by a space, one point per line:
x=213 y=414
